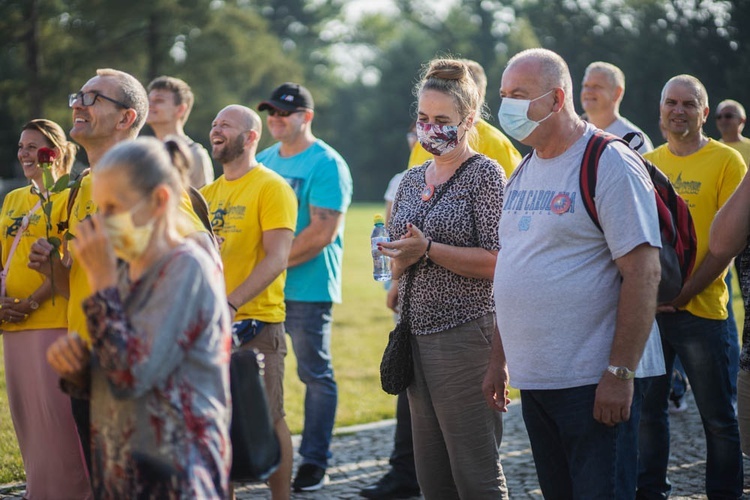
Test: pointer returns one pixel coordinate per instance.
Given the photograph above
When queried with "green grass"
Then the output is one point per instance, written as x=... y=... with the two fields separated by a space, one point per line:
x=360 y=330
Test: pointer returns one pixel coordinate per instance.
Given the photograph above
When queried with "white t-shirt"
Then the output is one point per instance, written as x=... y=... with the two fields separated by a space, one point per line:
x=556 y=283
x=622 y=126
x=390 y=192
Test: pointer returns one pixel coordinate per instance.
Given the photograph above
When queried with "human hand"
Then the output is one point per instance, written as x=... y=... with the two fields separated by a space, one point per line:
x=12 y=310
x=39 y=257
x=613 y=399
x=93 y=250
x=69 y=357
x=407 y=250
x=495 y=387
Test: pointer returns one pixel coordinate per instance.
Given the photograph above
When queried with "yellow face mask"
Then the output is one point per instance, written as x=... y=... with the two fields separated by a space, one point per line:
x=128 y=240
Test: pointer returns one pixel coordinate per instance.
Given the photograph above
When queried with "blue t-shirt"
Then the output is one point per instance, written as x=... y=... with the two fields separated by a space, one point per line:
x=320 y=177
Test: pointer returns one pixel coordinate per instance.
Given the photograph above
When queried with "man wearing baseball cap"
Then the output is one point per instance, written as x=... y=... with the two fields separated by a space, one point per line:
x=322 y=182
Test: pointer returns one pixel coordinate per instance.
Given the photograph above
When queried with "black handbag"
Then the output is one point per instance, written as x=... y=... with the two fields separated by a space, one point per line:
x=256 y=453
x=397 y=365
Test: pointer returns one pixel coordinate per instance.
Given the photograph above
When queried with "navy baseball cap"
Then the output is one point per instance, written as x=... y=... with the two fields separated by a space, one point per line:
x=288 y=97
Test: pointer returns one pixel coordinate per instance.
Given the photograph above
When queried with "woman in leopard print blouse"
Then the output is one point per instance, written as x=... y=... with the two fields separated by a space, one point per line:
x=444 y=246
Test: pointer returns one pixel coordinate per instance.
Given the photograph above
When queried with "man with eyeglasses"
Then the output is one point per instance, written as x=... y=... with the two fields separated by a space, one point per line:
x=694 y=326
x=322 y=182
x=111 y=107
x=730 y=120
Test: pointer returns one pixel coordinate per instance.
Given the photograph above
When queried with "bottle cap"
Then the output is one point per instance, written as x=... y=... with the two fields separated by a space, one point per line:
x=378 y=219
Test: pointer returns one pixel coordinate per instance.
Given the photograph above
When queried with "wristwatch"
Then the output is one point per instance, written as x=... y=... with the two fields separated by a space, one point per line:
x=33 y=304
x=621 y=372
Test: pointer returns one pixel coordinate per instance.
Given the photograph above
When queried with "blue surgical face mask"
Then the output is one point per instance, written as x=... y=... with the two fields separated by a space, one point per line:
x=514 y=119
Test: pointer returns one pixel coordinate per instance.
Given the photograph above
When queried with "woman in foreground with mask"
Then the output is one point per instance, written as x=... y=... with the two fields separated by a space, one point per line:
x=445 y=243
x=157 y=373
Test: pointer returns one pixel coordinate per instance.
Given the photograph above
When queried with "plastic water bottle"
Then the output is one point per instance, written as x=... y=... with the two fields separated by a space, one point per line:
x=381 y=264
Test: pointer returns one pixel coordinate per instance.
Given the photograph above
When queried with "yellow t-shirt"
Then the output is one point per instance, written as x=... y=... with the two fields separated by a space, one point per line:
x=743 y=146
x=22 y=281
x=241 y=210
x=489 y=141
x=83 y=207
x=705 y=179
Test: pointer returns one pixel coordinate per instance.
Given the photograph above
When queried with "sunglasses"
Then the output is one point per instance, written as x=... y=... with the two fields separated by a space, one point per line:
x=283 y=114
x=726 y=116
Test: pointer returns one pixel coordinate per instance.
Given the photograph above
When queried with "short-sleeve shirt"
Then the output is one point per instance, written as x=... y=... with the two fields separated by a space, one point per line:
x=465 y=215
x=557 y=286
x=22 y=281
x=743 y=146
x=489 y=141
x=319 y=177
x=622 y=126
x=705 y=179
x=241 y=210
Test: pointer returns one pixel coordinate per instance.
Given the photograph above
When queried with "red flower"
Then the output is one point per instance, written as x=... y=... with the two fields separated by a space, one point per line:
x=46 y=155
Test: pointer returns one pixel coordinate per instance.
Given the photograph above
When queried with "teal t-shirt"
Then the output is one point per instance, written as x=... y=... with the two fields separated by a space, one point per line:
x=319 y=177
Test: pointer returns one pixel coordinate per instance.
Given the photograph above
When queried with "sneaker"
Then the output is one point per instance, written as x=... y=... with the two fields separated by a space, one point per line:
x=678 y=405
x=310 y=477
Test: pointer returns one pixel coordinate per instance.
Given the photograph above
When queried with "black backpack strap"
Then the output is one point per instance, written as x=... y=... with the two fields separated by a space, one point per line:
x=632 y=135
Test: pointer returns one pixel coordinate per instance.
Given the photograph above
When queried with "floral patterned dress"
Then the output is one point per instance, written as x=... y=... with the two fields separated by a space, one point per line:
x=160 y=382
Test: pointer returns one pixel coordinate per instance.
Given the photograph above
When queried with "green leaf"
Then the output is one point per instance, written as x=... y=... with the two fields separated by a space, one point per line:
x=68 y=236
x=47 y=207
x=61 y=184
x=55 y=242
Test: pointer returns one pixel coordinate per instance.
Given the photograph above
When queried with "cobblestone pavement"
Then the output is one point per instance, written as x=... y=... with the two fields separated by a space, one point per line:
x=360 y=457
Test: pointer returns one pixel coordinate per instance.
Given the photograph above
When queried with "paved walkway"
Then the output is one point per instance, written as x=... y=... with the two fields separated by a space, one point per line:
x=360 y=457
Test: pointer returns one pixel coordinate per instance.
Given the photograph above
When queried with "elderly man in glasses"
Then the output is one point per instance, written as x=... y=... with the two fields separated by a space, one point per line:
x=322 y=182
x=111 y=107
x=730 y=120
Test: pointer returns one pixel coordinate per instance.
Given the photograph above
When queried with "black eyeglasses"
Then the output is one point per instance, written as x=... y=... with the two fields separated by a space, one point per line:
x=89 y=98
x=283 y=114
x=726 y=116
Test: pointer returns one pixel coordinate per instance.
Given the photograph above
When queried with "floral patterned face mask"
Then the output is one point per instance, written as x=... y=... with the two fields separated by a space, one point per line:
x=437 y=139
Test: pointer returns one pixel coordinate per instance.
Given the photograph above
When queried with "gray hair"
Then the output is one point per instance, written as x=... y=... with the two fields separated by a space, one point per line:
x=614 y=74
x=732 y=102
x=554 y=71
x=132 y=94
x=688 y=81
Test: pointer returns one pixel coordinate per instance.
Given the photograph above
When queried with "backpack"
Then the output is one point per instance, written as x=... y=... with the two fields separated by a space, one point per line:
x=678 y=240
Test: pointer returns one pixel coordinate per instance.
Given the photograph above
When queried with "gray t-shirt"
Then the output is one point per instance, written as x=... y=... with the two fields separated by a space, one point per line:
x=556 y=283
x=622 y=126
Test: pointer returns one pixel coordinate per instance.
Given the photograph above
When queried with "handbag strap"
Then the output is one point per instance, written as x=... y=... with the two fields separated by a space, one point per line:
x=24 y=225
x=411 y=270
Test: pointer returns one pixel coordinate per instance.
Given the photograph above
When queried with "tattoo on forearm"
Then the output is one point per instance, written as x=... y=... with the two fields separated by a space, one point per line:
x=324 y=213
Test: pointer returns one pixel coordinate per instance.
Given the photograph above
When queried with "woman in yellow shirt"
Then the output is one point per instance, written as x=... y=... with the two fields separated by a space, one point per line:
x=30 y=321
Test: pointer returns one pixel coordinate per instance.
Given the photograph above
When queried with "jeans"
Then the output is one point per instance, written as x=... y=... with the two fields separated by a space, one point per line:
x=309 y=326
x=733 y=340
x=576 y=456
x=702 y=346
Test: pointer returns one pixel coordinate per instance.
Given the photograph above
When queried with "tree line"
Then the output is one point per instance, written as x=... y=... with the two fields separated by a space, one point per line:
x=360 y=70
